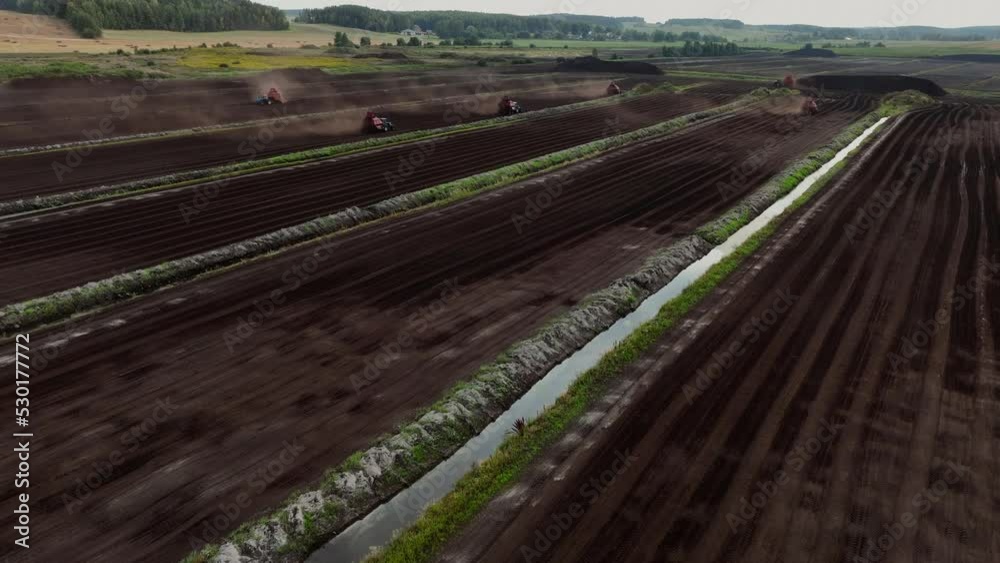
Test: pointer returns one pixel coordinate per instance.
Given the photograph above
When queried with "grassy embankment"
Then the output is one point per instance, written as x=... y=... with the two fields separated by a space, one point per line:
x=58 y=306
x=422 y=541
x=438 y=441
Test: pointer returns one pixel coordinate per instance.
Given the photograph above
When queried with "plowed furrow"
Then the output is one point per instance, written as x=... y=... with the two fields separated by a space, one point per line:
x=869 y=406
x=299 y=368
x=53 y=244
x=35 y=174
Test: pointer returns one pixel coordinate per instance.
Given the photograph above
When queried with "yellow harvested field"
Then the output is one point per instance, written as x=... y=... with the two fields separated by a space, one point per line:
x=26 y=33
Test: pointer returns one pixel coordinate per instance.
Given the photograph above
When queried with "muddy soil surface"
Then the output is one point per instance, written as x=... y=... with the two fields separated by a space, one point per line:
x=838 y=399
x=594 y=64
x=732 y=87
x=872 y=84
x=949 y=74
x=79 y=168
x=246 y=369
x=68 y=248
x=46 y=114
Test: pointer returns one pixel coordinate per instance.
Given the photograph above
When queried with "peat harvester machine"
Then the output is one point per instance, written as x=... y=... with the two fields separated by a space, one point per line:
x=377 y=122
x=507 y=106
x=273 y=96
x=809 y=104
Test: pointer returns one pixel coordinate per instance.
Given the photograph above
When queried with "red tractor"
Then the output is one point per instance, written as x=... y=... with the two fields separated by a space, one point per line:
x=508 y=106
x=789 y=81
x=809 y=106
x=614 y=89
x=375 y=123
x=273 y=96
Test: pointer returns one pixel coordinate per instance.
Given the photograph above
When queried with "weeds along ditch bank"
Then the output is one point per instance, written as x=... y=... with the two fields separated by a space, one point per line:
x=356 y=487
x=61 y=305
x=477 y=488
x=717 y=231
x=368 y=478
x=225 y=172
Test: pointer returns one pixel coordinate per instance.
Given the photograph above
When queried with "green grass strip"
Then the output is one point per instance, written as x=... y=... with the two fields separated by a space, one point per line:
x=58 y=306
x=68 y=69
x=444 y=519
x=495 y=384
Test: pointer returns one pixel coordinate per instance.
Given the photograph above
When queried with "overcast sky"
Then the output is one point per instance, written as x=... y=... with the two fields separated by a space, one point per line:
x=844 y=13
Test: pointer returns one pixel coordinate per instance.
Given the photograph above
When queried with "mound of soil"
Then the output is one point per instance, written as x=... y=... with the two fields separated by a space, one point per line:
x=594 y=64
x=972 y=58
x=811 y=53
x=877 y=84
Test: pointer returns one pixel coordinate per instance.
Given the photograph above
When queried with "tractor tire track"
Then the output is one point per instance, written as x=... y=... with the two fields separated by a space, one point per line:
x=36 y=174
x=295 y=374
x=900 y=429
x=85 y=243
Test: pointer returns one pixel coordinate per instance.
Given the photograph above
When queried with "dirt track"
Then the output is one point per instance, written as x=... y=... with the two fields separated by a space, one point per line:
x=31 y=175
x=732 y=87
x=948 y=73
x=41 y=113
x=854 y=420
x=69 y=248
x=290 y=377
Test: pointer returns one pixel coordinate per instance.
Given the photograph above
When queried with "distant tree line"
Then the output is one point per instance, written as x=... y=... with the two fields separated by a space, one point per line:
x=606 y=21
x=89 y=17
x=661 y=36
x=728 y=24
x=699 y=49
x=465 y=25
x=859 y=44
x=802 y=32
x=799 y=32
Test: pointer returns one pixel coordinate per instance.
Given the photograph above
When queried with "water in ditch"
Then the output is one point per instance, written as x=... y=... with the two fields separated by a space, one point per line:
x=376 y=529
